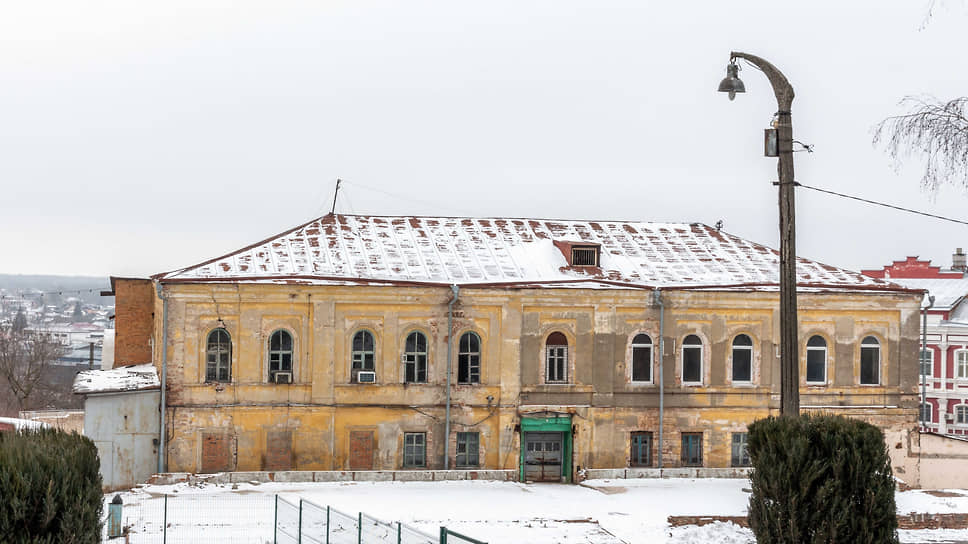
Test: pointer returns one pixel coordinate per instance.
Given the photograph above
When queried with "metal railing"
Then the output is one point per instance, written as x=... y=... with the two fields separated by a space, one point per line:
x=307 y=522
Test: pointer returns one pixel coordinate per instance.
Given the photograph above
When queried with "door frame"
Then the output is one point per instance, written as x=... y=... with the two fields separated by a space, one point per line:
x=554 y=424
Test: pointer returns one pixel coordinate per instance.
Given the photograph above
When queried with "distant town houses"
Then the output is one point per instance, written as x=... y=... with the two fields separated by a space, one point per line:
x=944 y=360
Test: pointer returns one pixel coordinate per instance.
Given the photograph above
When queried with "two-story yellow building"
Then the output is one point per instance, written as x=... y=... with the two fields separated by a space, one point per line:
x=544 y=346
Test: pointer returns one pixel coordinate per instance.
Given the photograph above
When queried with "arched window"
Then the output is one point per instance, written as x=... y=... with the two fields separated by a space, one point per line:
x=218 y=356
x=556 y=358
x=642 y=358
x=961 y=414
x=415 y=358
x=742 y=359
x=816 y=359
x=362 y=353
x=870 y=361
x=469 y=358
x=692 y=359
x=280 y=355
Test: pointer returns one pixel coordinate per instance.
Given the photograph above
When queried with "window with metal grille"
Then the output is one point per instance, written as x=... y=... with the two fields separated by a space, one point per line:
x=468 y=446
x=556 y=358
x=740 y=452
x=742 y=359
x=469 y=358
x=691 y=450
x=816 y=360
x=280 y=353
x=415 y=358
x=584 y=256
x=414 y=450
x=692 y=360
x=641 y=455
x=870 y=361
x=642 y=358
x=218 y=356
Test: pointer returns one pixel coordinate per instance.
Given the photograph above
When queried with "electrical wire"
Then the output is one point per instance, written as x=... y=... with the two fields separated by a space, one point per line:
x=408 y=198
x=876 y=203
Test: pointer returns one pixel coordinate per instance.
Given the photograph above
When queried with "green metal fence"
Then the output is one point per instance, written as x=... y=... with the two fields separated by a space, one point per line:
x=305 y=522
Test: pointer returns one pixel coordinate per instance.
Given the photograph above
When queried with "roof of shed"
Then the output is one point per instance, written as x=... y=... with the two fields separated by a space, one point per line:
x=116 y=380
x=358 y=249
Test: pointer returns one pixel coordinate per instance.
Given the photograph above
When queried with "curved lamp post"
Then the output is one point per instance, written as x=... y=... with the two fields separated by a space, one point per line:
x=789 y=361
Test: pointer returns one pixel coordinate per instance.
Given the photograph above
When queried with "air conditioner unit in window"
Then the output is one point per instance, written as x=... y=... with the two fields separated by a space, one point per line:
x=366 y=376
x=282 y=377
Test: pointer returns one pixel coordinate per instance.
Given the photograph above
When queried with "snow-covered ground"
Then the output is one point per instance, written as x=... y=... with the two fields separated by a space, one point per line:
x=597 y=512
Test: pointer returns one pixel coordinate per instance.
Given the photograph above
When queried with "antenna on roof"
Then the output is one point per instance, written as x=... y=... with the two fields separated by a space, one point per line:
x=336 y=192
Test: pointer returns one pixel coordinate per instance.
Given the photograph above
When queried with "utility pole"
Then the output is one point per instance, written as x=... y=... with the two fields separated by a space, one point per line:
x=789 y=341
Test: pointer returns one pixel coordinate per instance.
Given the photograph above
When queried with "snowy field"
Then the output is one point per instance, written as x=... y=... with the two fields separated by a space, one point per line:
x=597 y=512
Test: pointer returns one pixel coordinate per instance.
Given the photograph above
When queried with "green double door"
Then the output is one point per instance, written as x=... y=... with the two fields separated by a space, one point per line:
x=546 y=449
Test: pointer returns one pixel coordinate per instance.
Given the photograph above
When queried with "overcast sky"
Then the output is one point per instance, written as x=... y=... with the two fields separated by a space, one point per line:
x=141 y=137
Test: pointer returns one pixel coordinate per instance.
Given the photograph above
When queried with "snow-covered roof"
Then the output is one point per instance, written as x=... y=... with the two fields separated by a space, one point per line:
x=356 y=249
x=128 y=378
x=947 y=292
x=20 y=424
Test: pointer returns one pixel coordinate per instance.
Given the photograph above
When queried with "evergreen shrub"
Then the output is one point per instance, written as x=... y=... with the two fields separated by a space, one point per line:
x=820 y=479
x=50 y=488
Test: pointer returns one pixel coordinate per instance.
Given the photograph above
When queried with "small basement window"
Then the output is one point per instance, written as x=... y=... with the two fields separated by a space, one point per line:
x=584 y=256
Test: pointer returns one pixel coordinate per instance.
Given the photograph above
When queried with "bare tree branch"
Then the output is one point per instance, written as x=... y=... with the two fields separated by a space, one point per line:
x=25 y=365
x=936 y=130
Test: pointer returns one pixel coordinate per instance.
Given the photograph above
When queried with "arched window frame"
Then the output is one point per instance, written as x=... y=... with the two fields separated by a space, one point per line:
x=645 y=350
x=696 y=355
x=278 y=357
x=557 y=359
x=469 y=360
x=737 y=349
x=363 y=359
x=415 y=360
x=218 y=356
x=870 y=347
x=817 y=355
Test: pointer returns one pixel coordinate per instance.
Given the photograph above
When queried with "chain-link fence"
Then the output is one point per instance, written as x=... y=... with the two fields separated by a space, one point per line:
x=307 y=522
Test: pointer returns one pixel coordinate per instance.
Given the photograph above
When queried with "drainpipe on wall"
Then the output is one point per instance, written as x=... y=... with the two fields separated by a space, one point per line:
x=657 y=297
x=450 y=350
x=164 y=375
x=924 y=348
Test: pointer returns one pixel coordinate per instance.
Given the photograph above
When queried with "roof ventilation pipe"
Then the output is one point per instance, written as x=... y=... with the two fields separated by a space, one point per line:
x=450 y=351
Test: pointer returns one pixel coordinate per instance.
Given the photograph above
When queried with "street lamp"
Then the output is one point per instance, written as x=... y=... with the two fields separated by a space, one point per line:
x=789 y=361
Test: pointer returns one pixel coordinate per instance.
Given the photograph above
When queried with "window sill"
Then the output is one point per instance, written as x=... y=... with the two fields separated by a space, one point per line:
x=642 y=384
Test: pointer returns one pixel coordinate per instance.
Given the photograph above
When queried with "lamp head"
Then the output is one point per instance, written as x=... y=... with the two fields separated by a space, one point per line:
x=732 y=84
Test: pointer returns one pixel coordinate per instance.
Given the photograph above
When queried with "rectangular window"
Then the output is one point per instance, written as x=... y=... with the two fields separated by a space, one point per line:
x=414 y=450
x=869 y=363
x=925 y=413
x=641 y=363
x=691 y=364
x=691 y=449
x=961 y=414
x=927 y=362
x=557 y=359
x=740 y=453
x=641 y=455
x=468 y=448
x=961 y=357
x=816 y=365
x=742 y=364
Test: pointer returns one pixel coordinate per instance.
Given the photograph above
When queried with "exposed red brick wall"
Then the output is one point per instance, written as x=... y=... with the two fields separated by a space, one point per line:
x=134 y=306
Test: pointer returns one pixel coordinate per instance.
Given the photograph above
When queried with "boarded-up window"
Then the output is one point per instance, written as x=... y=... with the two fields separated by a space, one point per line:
x=361 y=450
x=278 y=450
x=216 y=452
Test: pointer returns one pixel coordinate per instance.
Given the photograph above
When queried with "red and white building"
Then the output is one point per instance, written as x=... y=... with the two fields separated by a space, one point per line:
x=945 y=362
